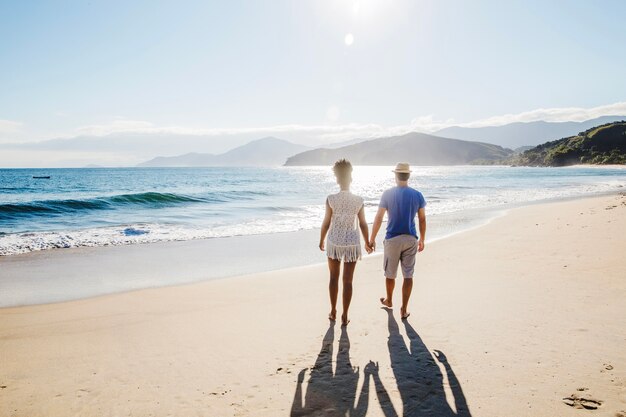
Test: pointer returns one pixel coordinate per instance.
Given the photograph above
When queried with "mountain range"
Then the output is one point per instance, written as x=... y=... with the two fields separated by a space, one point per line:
x=515 y=135
x=416 y=148
x=268 y=151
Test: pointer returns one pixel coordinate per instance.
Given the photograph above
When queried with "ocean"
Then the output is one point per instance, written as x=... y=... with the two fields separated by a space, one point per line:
x=122 y=206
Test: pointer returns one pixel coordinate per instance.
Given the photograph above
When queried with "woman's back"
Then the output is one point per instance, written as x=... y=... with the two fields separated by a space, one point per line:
x=343 y=236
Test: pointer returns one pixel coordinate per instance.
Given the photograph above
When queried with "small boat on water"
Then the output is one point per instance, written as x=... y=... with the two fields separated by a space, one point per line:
x=41 y=177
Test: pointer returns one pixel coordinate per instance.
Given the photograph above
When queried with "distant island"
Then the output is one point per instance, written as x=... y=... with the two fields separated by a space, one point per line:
x=268 y=151
x=600 y=145
x=415 y=148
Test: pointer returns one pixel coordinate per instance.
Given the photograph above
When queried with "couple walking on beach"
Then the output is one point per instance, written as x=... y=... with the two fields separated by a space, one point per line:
x=340 y=236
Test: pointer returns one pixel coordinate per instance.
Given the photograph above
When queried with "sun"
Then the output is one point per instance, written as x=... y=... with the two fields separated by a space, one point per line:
x=348 y=39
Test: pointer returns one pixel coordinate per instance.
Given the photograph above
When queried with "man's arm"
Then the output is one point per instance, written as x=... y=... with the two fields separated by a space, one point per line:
x=378 y=221
x=421 y=215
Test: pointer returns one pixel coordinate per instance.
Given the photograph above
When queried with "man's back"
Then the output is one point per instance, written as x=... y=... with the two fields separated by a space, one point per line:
x=402 y=204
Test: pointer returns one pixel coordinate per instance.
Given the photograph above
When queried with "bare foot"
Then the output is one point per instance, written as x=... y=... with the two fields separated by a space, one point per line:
x=404 y=314
x=344 y=320
x=386 y=303
x=332 y=316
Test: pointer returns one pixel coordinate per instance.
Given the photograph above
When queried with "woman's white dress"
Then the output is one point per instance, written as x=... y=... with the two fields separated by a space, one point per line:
x=343 y=241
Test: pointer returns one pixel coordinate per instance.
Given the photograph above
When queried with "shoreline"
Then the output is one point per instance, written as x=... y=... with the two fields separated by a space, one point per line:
x=525 y=314
x=43 y=277
x=103 y=218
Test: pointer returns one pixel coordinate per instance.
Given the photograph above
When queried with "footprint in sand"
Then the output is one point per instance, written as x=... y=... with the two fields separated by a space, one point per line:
x=586 y=403
x=606 y=367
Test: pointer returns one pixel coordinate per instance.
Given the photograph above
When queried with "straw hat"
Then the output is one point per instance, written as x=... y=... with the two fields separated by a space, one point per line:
x=402 y=168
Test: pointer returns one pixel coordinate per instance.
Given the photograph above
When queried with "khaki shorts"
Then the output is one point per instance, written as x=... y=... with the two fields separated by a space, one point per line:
x=400 y=249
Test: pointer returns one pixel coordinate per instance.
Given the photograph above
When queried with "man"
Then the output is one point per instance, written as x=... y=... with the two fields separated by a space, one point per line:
x=401 y=203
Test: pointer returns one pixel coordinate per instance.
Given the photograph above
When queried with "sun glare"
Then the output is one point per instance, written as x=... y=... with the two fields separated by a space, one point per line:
x=349 y=39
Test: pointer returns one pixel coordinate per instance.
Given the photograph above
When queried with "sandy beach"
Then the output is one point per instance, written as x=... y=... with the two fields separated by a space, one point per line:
x=522 y=317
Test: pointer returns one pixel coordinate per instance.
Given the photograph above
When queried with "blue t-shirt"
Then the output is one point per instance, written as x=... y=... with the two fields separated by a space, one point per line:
x=402 y=204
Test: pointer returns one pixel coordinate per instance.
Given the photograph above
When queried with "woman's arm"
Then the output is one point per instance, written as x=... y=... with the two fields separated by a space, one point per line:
x=364 y=229
x=325 y=224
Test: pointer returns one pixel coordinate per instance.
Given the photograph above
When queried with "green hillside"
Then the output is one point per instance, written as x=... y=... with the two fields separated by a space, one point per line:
x=600 y=145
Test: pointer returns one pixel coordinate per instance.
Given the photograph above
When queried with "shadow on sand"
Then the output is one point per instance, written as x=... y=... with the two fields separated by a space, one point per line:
x=419 y=380
x=332 y=393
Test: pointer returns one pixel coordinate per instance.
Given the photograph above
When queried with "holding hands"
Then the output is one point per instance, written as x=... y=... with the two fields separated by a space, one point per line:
x=371 y=368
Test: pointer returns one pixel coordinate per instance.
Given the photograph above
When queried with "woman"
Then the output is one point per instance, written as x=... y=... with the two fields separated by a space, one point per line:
x=343 y=244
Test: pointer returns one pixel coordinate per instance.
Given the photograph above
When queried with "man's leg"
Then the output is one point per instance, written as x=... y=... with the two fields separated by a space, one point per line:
x=390 y=283
x=407 y=260
x=407 y=286
x=391 y=258
x=348 y=275
x=333 y=286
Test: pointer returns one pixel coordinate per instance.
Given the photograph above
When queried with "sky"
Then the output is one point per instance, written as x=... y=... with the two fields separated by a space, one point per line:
x=313 y=72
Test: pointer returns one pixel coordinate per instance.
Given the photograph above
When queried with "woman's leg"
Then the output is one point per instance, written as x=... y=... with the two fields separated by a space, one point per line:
x=333 y=286
x=348 y=274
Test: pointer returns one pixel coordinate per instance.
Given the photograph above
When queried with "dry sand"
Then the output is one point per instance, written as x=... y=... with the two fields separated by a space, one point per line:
x=523 y=313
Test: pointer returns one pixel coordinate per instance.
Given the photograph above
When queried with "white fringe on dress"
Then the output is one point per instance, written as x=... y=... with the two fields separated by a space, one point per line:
x=351 y=253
